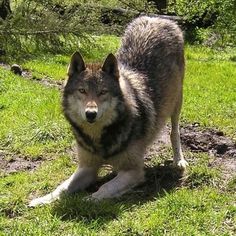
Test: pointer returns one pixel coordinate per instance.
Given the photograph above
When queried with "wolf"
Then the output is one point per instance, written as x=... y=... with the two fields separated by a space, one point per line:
x=116 y=109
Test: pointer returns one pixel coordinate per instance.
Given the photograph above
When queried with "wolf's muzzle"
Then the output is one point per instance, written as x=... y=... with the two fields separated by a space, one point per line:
x=91 y=115
x=91 y=111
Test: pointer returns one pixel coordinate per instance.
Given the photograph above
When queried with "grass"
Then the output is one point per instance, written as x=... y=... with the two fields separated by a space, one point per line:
x=31 y=119
x=32 y=125
x=209 y=97
x=210 y=89
x=55 y=67
x=198 y=210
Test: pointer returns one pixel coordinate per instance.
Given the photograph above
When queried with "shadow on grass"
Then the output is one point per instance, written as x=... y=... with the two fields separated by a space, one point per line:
x=159 y=180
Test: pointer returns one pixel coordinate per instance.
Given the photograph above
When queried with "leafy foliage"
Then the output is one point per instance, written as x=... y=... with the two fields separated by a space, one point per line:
x=61 y=26
x=44 y=26
x=219 y=16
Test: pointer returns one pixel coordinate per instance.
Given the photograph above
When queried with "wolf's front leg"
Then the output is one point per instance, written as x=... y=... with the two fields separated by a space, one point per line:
x=123 y=182
x=81 y=179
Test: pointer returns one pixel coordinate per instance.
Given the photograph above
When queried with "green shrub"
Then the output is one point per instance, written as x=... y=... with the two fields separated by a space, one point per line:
x=59 y=26
x=218 y=16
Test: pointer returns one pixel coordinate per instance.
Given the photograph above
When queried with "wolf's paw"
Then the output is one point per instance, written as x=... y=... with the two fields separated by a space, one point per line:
x=101 y=194
x=181 y=164
x=42 y=200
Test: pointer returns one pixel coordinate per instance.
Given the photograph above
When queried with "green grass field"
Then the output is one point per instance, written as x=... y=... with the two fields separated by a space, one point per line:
x=32 y=127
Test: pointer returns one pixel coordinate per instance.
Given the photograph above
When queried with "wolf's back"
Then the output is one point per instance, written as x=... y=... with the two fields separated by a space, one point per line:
x=151 y=43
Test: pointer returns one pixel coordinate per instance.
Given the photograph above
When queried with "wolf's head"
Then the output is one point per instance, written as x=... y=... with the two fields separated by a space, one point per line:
x=91 y=91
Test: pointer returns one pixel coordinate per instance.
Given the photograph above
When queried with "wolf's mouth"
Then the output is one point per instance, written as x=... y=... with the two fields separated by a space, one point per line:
x=91 y=121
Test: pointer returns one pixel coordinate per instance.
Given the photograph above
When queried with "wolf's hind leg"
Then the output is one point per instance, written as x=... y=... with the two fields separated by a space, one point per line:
x=81 y=179
x=122 y=183
x=179 y=160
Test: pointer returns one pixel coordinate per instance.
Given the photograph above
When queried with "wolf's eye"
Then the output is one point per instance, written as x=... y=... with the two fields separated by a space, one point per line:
x=81 y=90
x=104 y=91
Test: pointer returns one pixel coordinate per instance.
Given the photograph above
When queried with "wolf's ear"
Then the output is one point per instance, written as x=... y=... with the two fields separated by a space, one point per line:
x=77 y=64
x=110 y=66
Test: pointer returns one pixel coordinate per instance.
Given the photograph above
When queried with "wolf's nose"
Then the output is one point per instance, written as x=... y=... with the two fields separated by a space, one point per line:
x=90 y=116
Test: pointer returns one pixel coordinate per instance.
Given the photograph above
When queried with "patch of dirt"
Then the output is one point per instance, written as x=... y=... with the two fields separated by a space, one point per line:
x=44 y=80
x=227 y=166
x=212 y=141
x=194 y=138
x=11 y=163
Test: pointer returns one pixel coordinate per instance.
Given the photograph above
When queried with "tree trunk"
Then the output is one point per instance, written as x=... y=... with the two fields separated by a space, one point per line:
x=5 y=8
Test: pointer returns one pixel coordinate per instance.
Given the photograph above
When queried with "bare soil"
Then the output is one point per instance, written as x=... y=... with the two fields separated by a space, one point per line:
x=194 y=138
x=11 y=163
x=221 y=148
x=212 y=141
